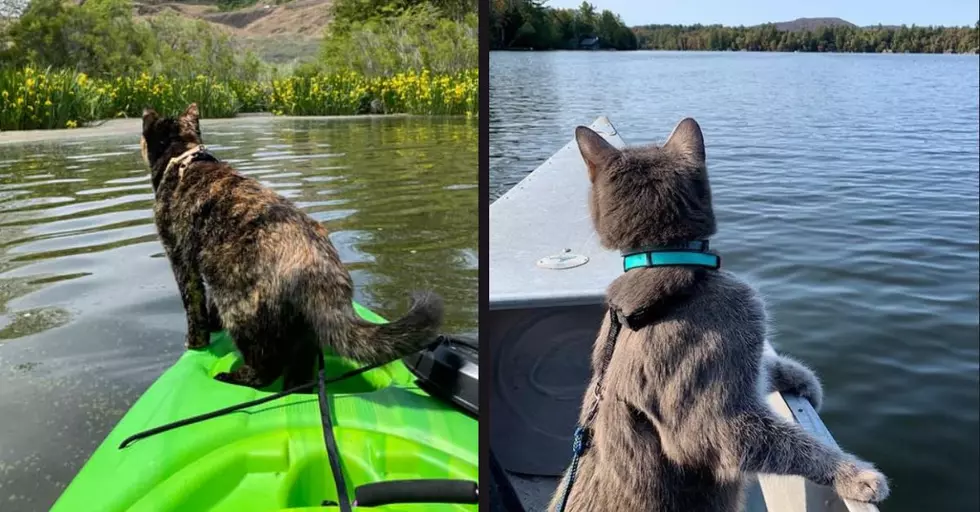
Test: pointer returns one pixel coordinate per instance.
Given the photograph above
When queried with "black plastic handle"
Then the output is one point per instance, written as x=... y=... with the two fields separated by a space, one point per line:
x=416 y=491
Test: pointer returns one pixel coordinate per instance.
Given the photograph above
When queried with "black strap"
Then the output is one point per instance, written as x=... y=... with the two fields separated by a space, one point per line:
x=203 y=156
x=422 y=490
x=244 y=405
x=615 y=326
x=583 y=432
x=694 y=245
x=213 y=414
x=333 y=455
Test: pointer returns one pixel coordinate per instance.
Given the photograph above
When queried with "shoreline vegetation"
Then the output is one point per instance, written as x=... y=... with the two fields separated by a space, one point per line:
x=65 y=64
x=531 y=25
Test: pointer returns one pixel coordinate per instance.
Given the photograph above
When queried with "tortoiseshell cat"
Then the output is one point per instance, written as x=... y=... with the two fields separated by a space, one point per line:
x=275 y=281
x=683 y=419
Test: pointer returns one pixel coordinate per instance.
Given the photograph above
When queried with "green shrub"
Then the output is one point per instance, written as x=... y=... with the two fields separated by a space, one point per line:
x=102 y=39
x=98 y=37
x=419 y=38
x=231 y=5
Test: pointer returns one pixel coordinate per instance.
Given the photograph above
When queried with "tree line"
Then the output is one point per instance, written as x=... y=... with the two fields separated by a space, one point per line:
x=837 y=38
x=529 y=24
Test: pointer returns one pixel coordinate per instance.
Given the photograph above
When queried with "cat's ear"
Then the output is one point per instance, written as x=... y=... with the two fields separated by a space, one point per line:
x=596 y=151
x=191 y=113
x=189 y=119
x=687 y=140
x=149 y=117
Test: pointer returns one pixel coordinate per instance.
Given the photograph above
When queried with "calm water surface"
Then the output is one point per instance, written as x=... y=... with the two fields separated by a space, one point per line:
x=89 y=312
x=846 y=190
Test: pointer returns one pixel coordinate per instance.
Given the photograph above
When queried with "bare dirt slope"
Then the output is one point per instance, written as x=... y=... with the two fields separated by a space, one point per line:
x=300 y=17
x=305 y=18
x=278 y=33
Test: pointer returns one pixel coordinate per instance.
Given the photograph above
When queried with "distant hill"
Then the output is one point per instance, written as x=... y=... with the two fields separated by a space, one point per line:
x=811 y=24
x=278 y=33
x=299 y=17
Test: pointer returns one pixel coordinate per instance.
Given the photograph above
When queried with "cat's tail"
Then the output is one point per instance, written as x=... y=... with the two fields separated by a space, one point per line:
x=348 y=335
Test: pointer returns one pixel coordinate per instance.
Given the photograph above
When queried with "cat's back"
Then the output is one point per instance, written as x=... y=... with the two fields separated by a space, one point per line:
x=700 y=351
x=220 y=192
x=722 y=325
x=234 y=212
x=677 y=305
x=727 y=301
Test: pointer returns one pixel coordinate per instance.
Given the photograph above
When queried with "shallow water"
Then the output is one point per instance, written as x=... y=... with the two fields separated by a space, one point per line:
x=846 y=190
x=89 y=312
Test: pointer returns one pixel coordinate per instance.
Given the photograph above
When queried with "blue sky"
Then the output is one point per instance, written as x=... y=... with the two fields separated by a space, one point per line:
x=754 y=12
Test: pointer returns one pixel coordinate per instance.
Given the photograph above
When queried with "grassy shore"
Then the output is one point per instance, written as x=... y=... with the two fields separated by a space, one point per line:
x=32 y=98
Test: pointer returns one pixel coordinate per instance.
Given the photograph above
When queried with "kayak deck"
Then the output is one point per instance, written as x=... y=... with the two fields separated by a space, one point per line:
x=272 y=456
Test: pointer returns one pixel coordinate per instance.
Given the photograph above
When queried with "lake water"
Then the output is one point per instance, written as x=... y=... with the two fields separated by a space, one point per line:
x=89 y=311
x=846 y=190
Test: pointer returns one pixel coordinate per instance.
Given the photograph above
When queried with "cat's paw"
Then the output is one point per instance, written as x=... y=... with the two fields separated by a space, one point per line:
x=244 y=376
x=790 y=376
x=860 y=481
x=225 y=377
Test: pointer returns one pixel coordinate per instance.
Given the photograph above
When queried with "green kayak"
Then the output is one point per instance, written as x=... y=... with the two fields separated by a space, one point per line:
x=272 y=457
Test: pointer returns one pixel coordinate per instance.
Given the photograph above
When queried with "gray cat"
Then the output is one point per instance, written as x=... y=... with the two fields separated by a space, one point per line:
x=683 y=418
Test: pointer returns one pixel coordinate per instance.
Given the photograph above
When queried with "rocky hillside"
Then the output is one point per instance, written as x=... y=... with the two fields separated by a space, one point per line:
x=305 y=18
x=278 y=33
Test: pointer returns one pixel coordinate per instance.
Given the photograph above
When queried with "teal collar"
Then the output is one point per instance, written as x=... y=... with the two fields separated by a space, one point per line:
x=684 y=254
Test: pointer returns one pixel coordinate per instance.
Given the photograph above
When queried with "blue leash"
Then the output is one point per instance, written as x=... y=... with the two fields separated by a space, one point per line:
x=578 y=448
x=583 y=432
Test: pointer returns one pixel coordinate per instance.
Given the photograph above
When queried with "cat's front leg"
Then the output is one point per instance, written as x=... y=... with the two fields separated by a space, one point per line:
x=787 y=375
x=768 y=444
x=214 y=315
x=190 y=284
